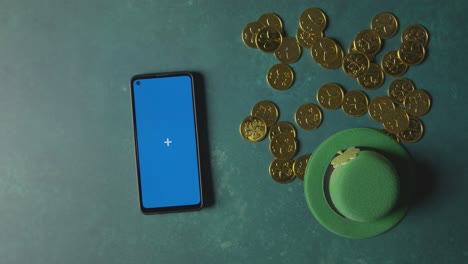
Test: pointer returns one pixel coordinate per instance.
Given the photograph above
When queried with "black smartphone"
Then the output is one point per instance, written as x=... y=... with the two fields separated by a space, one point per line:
x=166 y=142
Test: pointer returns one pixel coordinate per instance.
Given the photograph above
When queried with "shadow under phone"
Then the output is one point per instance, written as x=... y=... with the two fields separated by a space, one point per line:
x=204 y=144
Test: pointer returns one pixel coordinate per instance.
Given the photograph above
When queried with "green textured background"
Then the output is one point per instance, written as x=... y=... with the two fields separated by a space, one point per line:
x=68 y=190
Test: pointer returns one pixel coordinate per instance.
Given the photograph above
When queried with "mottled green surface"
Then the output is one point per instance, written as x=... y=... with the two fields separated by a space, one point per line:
x=365 y=188
x=68 y=189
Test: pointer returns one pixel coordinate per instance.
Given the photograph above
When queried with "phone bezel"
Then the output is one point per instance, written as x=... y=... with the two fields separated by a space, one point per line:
x=170 y=208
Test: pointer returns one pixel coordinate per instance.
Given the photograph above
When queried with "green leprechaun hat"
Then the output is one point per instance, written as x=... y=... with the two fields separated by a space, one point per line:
x=358 y=183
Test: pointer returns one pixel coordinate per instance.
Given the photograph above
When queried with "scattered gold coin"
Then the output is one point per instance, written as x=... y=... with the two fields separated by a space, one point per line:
x=268 y=39
x=253 y=128
x=390 y=134
x=355 y=64
x=392 y=65
x=335 y=63
x=399 y=121
x=308 y=116
x=367 y=42
x=282 y=127
x=330 y=96
x=272 y=20
x=313 y=20
x=280 y=76
x=325 y=51
x=414 y=132
x=281 y=171
x=289 y=51
x=415 y=33
x=307 y=39
x=381 y=109
x=249 y=34
x=266 y=110
x=373 y=78
x=283 y=146
x=411 y=52
x=417 y=102
x=300 y=166
x=399 y=89
x=386 y=25
x=355 y=103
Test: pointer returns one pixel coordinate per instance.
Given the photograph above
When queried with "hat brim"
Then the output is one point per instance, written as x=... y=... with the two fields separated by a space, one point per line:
x=319 y=163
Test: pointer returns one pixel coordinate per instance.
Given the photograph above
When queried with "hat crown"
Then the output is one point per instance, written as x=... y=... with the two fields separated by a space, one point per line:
x=365 y=188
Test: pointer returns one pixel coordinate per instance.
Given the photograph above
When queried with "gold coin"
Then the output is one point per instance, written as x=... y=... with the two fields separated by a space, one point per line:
x=415 y=33
x=268 y=39
x=386 y=25
x=330 y=96
x=399 y=89
x=300 y=166
x=308 y=116
x=381 y=109
x=281 y=171
x=374 y=77
x=411 y=52
x=306 y=39
x=414 y=132
x=325 y=51
x=249 y=34
x=392 y=65
x=417 y=102
x=253 y=128
x=399 y=121
x=313 y=20
x=282 y=127
x=336 y=63
x=356 y=64
x=390 y=134
x=289 y=51
x=283 y=146
x=280 y=77
x=355 y=103
x=272 y=20
x=266 y=110
x=367 y=42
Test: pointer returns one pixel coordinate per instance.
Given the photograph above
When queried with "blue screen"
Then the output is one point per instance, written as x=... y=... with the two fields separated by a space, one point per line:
x=166 y=141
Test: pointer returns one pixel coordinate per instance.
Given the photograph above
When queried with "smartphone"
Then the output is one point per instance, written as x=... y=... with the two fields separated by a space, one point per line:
x=166 y=142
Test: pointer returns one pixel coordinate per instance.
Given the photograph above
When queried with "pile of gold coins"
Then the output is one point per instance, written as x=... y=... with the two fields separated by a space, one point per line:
x=398 y=112
x=283 y=141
